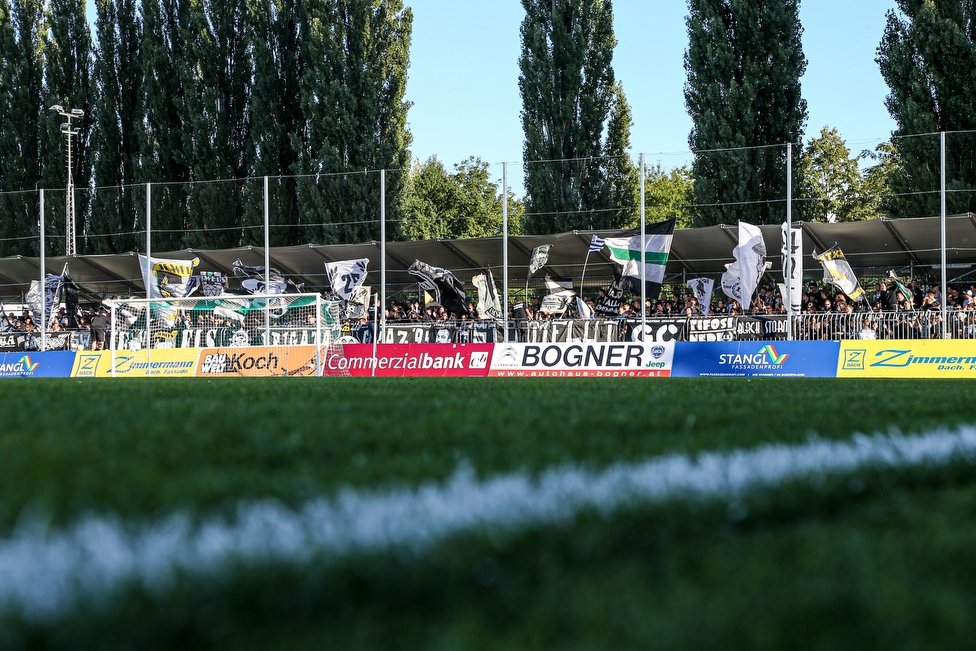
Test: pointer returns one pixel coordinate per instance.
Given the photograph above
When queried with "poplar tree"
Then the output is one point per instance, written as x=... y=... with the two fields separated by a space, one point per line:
x=276 y=115
x=623 y=177
x=67 y=82
x=352 y=89
x=567 y=86
x=168 y=144
x=218 y=87
x=21 y=29
x=927 y=57
x=744 y=62
x=118 y=207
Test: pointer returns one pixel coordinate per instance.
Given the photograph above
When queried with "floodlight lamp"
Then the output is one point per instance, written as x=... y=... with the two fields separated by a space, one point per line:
x=58 y=108
x=64 y=127
x=78 y=113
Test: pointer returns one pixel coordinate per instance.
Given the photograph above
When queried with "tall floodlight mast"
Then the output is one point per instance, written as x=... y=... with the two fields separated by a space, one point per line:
x=69 y=202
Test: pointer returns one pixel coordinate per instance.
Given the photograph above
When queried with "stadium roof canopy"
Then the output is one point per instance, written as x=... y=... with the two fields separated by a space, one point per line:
x=908 y=246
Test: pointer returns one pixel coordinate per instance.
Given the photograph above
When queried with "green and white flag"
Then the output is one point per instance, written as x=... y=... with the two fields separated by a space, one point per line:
x=625 y=252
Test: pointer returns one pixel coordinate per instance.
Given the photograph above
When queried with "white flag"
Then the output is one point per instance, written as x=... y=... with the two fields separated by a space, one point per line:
x=539 y=258
x=169 y=278
x=740 y=280
x=346 y=276
x=793 y=250
x=489 y=307
x=752 y=260
x=703 y=292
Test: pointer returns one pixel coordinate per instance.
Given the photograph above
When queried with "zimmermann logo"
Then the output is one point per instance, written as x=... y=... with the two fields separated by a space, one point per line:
x=774 y=357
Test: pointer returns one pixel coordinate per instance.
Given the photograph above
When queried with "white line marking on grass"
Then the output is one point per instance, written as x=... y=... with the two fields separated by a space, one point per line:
x=43 y=573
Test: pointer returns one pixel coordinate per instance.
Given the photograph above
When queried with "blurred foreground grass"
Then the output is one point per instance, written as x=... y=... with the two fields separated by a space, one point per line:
x=876 y=560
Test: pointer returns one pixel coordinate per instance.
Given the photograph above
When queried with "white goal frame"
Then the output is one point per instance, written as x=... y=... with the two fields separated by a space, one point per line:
x=317 y=333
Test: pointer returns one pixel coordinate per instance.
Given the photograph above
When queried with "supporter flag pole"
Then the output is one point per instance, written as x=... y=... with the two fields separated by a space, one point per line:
x=505 y=246
x=643 y=302
x=379 y=316
x=377 y=305
x=789 y=242
x=267 y=267
x=149 y=276
x=43 y=282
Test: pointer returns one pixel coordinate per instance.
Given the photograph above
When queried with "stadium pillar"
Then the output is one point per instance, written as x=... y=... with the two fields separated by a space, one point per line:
x=148 y=236
x=788 y=246
x=505 y=247
x=643 y=221
x=942 y=231
x=43 y=287
x=267 y=266
x=380 y=316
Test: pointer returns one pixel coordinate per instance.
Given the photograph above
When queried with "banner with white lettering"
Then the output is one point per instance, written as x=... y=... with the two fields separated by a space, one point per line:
x=620 y=359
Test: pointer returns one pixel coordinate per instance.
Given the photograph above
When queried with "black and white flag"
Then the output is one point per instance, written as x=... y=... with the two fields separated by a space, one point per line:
x=559 y=297
x=539 y=258
x=446 y=288
x=703 y=292
x=792 y=253
x=489 y=306
x=346 y=276
x=253 y=279
x=52 y=295
x=741 y=278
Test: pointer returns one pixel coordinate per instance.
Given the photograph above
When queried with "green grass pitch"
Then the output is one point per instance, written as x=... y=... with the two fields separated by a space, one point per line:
x=866 y=560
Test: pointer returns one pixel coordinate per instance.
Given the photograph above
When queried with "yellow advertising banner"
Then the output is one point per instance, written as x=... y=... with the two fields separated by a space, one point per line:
x=164 y=362
x=257 y=361
x=908 y=358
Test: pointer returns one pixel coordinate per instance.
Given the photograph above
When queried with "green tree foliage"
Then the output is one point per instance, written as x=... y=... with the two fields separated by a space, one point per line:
x=877 y=180
x=568 y=97
x=21 y=61
x=67 y=82
x=352 y=89
x=219 y=103
x=168 y=147
x=277 y=134
x=118 y=207
x=744 y=63
x=465 y=203
x=623 y=177
x=831 y=185
x=927 y=57
x=668 y=195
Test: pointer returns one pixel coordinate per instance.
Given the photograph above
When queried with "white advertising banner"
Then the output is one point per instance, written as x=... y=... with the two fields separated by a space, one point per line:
x=620 y=359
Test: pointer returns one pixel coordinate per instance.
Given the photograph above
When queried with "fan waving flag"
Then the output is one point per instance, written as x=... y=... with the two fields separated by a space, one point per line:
x=346 y=276
x=169 y=278
x=447 y=289
x=838 y=272
x=625 y=252
x=539 y=258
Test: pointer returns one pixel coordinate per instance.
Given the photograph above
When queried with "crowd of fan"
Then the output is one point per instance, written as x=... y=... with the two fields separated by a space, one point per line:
x=59 y=322
x=884 y=296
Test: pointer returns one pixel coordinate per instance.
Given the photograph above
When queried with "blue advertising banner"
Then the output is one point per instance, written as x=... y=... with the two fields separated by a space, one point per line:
x=50 y=364
x=756 y=359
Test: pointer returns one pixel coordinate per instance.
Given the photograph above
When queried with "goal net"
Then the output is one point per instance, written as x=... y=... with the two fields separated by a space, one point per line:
x=280 y=334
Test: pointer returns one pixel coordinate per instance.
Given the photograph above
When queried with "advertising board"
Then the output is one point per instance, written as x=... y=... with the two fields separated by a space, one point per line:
x=166 y=362
x=395 y=360
x=631 y=359
x=52 y=364
x=756 y=359
x=907 y=358
x=257 y=361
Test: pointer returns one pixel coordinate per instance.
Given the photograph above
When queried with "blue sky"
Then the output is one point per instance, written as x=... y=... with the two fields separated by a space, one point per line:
x=464 y=76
